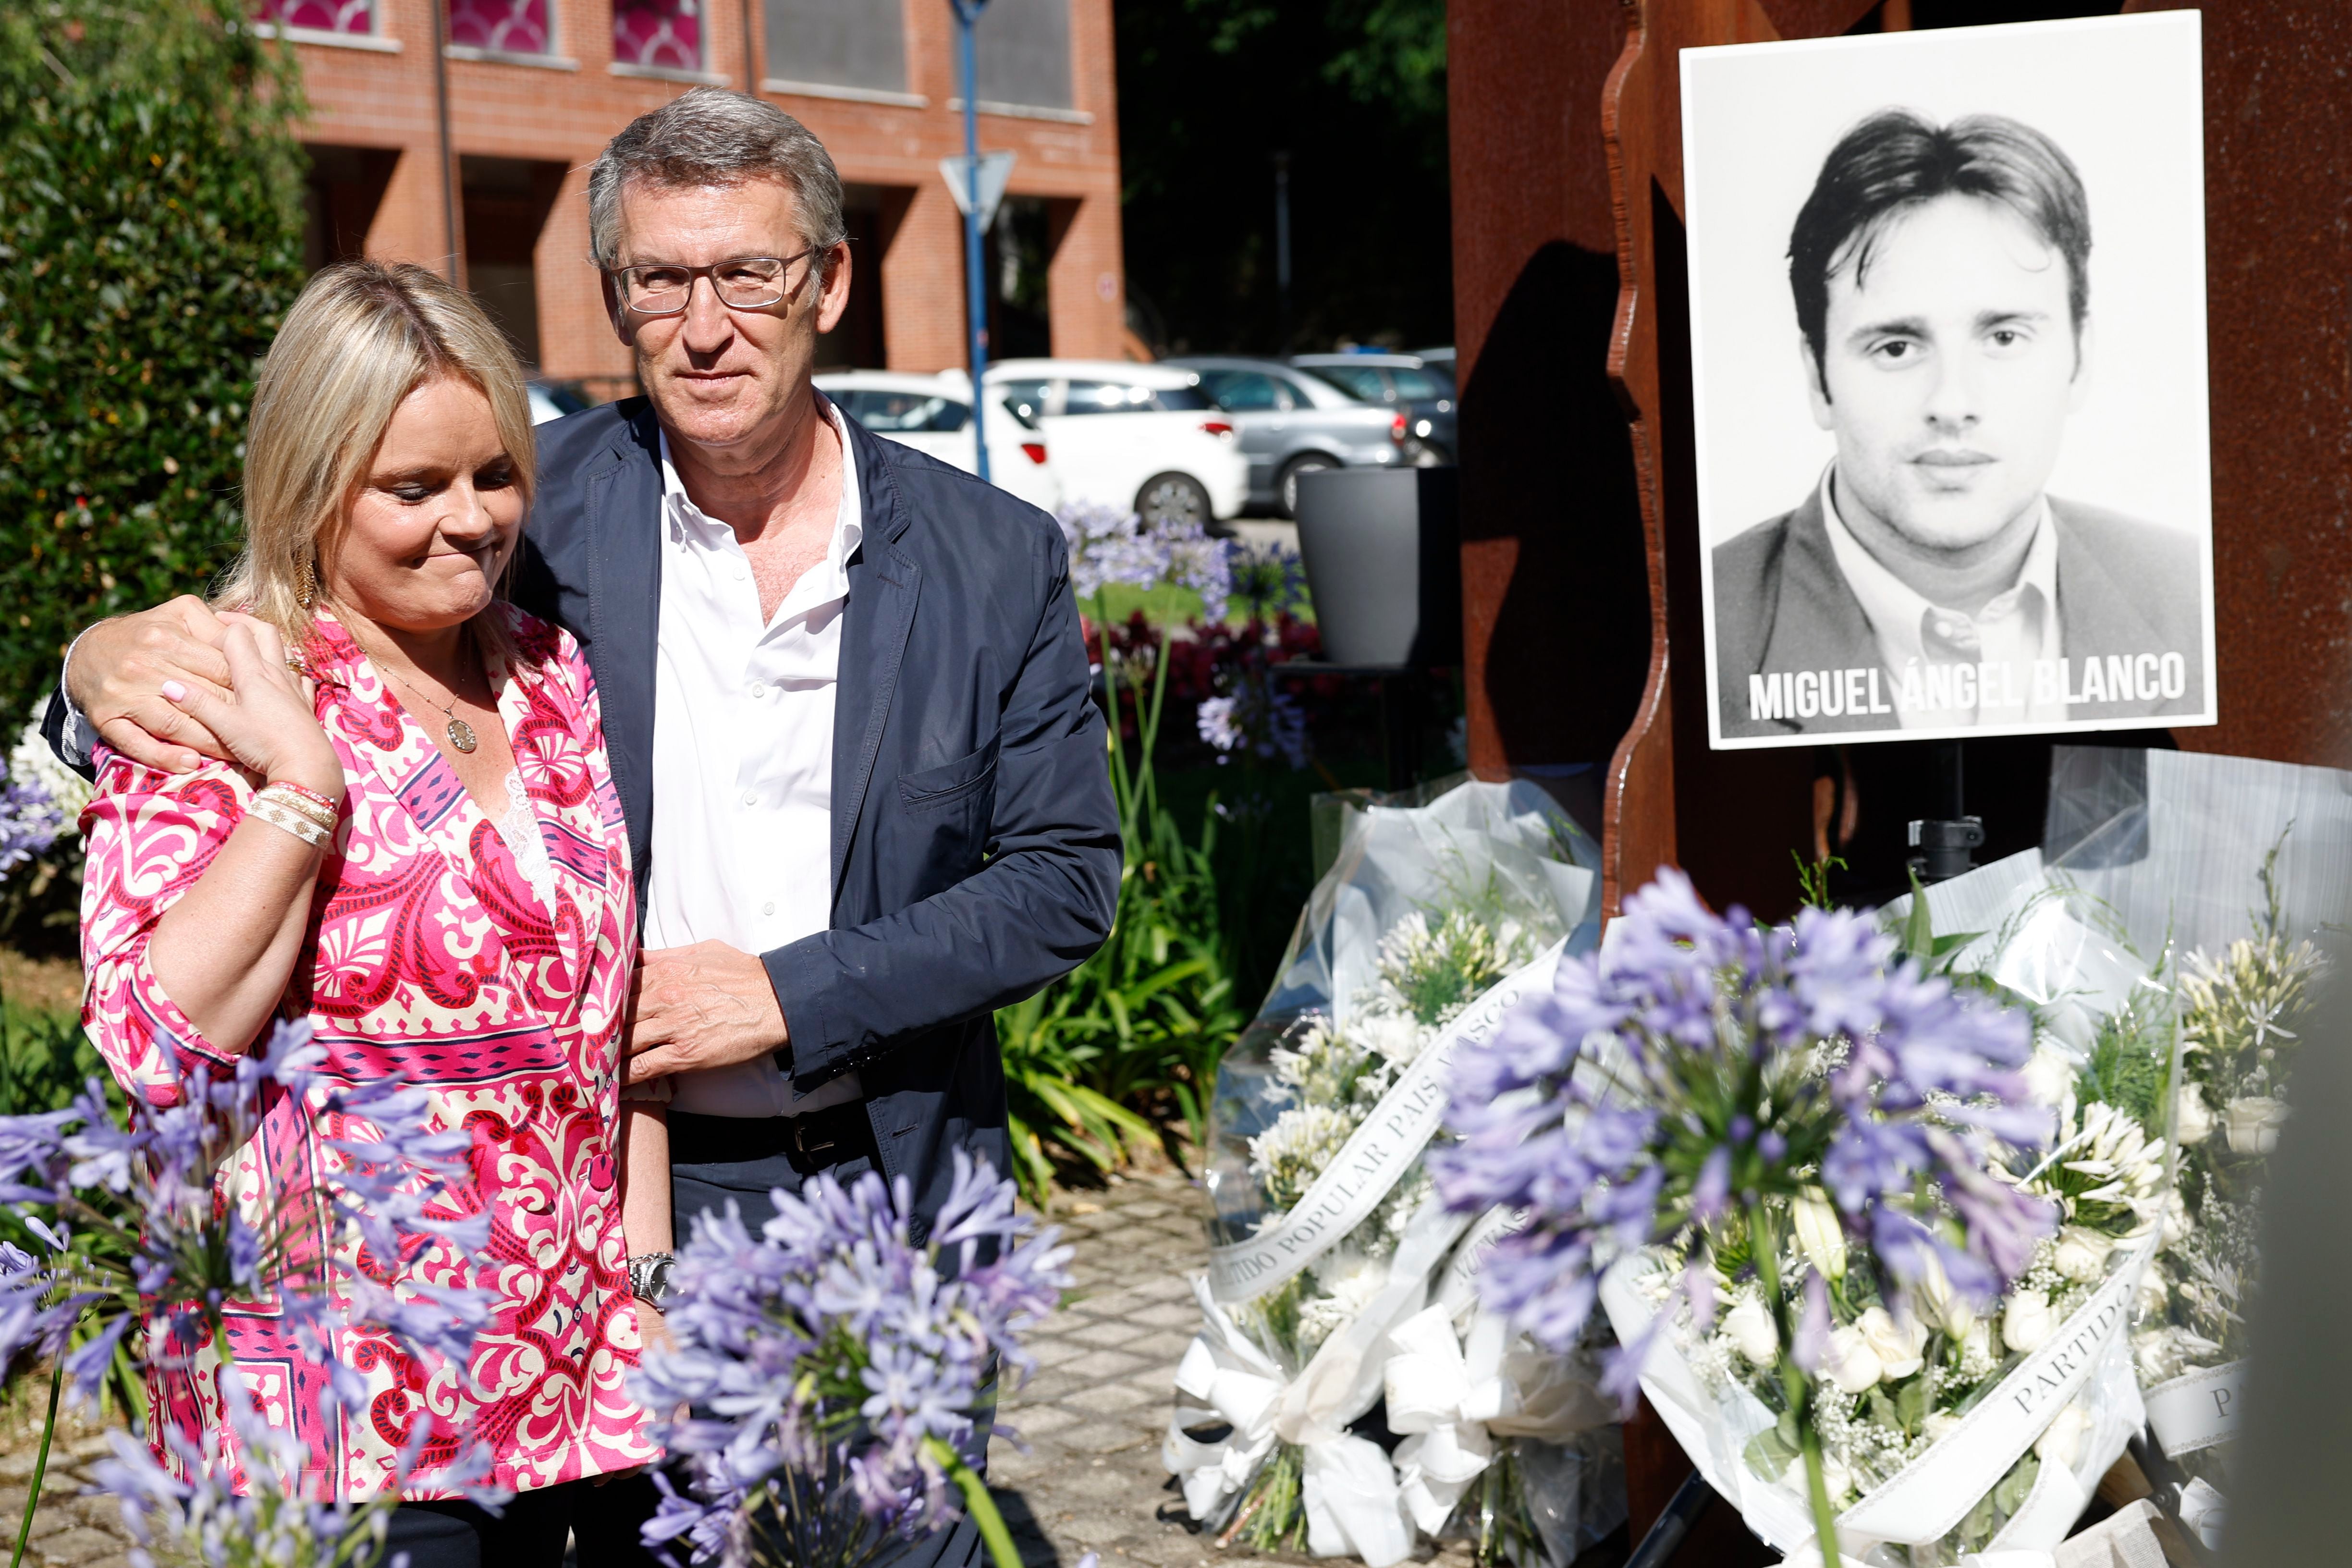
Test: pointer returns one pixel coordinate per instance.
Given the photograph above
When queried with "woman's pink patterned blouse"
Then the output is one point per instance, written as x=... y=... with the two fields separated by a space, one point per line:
x=432 y=955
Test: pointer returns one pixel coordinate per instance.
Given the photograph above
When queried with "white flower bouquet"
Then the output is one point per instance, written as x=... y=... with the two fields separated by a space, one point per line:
x=1948 y=1427
x=1433 y=916
x=2237 y=863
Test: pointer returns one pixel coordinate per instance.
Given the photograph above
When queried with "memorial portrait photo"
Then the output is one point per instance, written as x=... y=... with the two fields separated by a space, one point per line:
x=1949 y=374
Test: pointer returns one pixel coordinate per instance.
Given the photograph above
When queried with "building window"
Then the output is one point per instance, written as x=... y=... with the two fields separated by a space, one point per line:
x=351 y=17
x=838 y=43
x=1022 y=50
x=661 y=34
x=504 y=27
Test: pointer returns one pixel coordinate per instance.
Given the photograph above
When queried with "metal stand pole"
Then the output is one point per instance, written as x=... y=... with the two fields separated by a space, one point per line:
x=975 y=300
x=1944 y=842
x=1665 y=1533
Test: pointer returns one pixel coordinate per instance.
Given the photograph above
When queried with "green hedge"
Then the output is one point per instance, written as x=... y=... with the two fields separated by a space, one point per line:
x=150 y=237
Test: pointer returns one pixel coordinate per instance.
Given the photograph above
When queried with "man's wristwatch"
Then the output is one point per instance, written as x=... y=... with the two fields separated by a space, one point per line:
x=649 y=1278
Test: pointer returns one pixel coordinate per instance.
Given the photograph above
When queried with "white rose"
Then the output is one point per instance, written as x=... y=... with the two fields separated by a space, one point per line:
x=1819 y=1235
x=1853 y=1365
x=1897 y=1346
x=2254 y=1123
x=2153 y=1352
x=2083 y=1254
x=1837 y=1479
x=2060 y=1443
x=1939 y=1424
x=2027 y=1321
x=2193 y=1119
x=1941 y=1304
x=1750 y=1326
x=2050 y=1076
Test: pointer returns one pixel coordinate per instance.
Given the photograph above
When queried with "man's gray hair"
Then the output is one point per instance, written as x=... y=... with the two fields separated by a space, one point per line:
x=714 y=136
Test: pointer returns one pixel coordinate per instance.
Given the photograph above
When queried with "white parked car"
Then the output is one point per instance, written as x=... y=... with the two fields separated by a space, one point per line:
x=1143 y=436
x=932 y=414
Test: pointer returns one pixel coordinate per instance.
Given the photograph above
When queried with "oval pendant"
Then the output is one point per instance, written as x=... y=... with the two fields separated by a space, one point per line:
x=461 y=736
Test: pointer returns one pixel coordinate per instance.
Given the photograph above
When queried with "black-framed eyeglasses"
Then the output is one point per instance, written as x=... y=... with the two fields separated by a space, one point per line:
x=741 y=283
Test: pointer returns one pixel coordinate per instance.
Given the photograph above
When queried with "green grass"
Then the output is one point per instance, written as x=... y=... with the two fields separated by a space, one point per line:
x=1182 y=606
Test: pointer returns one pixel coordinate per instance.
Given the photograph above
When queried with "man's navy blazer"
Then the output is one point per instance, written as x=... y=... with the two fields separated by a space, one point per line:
x=975 y=842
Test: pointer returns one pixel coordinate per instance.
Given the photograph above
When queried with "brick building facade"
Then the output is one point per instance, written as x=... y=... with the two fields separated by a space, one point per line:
x=535 y=88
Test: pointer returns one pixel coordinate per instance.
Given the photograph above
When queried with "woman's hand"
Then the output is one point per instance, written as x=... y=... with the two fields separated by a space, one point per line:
x=267 y=720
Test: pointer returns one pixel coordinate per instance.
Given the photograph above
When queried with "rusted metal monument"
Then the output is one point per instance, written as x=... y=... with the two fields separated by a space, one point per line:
x=1582 y=642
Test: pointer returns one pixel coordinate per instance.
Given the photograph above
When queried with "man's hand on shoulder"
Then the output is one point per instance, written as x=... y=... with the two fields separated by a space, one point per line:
x=708 y=1006
x=117 y=674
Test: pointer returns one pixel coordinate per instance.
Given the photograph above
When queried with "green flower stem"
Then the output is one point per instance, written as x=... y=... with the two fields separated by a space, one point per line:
x=977 y=1502
x=1798 y=1387
x=41 y=1463
x=1824 y=1516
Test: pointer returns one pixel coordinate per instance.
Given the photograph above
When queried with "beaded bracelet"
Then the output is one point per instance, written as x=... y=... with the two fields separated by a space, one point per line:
x=322 y=808
x=293 y=822
x=306 y=803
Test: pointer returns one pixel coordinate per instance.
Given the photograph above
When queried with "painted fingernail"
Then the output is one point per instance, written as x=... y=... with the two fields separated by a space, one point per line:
x=174 y=692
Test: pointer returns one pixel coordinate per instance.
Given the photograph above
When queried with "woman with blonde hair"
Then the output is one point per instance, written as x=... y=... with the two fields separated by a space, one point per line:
x=418 y=845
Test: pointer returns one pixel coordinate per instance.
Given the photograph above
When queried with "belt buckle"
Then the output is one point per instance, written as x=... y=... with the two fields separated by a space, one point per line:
x=800 y=1140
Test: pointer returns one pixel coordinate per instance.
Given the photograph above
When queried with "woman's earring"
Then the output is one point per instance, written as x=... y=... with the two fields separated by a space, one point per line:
x=306 y=585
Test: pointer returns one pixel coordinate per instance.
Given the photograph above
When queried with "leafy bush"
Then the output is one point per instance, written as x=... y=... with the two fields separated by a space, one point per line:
x=150 y=237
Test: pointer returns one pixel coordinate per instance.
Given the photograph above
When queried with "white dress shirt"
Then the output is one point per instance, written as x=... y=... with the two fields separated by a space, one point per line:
x=742 y=770
x=1926 y=646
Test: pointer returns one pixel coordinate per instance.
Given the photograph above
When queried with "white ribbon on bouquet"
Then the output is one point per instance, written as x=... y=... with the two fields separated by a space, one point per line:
x=1348 y=1486
x=1376 y=1157
x=1452 y=1397
x=1927 y=1498
x=2197 y=1409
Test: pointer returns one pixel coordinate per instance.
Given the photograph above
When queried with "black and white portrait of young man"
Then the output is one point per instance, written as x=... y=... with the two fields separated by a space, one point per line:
x=1953 y=467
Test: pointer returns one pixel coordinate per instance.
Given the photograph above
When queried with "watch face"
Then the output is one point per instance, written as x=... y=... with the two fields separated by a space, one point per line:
x=649 y=1278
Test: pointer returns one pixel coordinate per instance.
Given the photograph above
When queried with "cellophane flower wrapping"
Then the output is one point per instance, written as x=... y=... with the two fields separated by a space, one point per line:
x=1918 y=1477
x=1433 y=901
x=2234 y=868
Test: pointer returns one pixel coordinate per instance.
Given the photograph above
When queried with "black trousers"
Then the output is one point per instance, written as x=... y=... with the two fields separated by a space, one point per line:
x=529 y=1533
x=716 y=1158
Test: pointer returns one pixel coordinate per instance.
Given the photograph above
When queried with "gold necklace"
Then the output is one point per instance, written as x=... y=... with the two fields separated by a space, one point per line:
x=461 y=734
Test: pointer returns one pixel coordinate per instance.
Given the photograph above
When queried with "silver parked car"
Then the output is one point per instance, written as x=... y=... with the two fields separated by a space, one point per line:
x=1424 y=391
x=1292 y=424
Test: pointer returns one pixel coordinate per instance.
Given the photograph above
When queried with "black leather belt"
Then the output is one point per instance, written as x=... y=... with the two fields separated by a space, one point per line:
x=815 y=1142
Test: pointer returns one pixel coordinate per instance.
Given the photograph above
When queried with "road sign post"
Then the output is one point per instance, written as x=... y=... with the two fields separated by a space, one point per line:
x=975 y=303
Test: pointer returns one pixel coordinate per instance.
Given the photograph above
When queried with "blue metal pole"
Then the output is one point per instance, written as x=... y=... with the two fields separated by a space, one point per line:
x=975 y=300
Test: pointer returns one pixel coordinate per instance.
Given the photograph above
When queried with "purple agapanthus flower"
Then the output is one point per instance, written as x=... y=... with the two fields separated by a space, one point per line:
x=175 y=1256
x=249 y=1505
x=1107 y=545
x=833 y=1362
x=1267 y=578
x=1702 y=1065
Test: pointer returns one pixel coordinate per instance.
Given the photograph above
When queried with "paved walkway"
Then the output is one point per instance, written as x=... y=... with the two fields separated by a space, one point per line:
x=1094 y=1415
x=70 y=1529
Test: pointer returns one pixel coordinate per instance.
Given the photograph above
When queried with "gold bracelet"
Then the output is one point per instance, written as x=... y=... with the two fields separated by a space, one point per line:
x=277 y=816
x=303 y=799
x=302 y=803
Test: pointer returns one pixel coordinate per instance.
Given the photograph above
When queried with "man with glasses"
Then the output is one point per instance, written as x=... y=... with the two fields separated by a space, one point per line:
x=844 y=690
